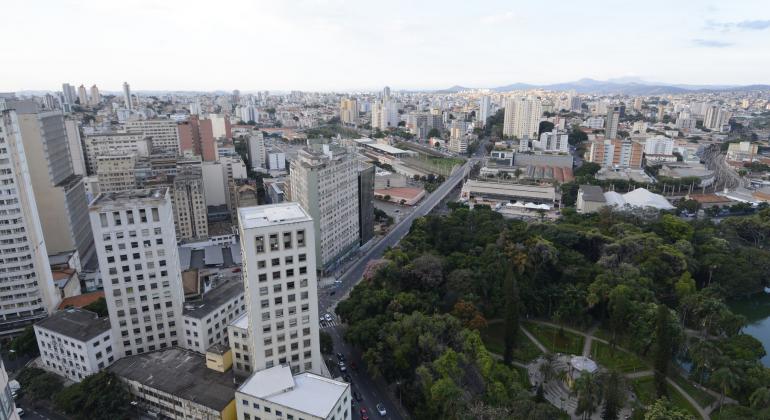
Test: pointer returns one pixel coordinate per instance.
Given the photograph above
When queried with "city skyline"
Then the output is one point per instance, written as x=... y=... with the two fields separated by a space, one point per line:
x=438 y=45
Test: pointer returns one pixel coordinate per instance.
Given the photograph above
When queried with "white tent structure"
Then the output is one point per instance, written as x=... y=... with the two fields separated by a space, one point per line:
x=638 y=198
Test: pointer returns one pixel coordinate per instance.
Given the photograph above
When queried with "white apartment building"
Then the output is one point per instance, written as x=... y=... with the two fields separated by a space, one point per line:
x=206 y=320
x=249 y=113
x=239 y=339
x=484 y=108
x=639 y=127
x=281 y=287
x=594 y=123
x=28 y=293
x=522 y=117
x=75 y=343
x=277 y=394
x=324 y=181
x=716 y=118
x=116 y=172
x=384 y=114
x=256 y=143
x=659 y=145
x=164 y=134
x=552 y=142
x=111 y=143
x=137 y=249
x=7 y=407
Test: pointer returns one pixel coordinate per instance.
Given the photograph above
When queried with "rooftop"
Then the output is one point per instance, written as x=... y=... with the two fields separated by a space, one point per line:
x=181 y=373
x=241 y=322
x=593 y=193
x=214 y=299
x=122 y=198
x=78 y=324
x=306 y=392
x=509 y=189
x=271 y=215
x=80 y=301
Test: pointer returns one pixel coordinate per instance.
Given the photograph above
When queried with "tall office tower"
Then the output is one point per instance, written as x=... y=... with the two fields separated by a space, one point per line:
x=613 y=118
x=386 y=94
x=575 y=104
x=114 y=143
x=236 y=96
x=96 y=97
x=281 y=288
x=365 y=201
x=249 y=114
x=59 y=193
x=197 y=137
x=522 y=117
x=716 y=118
x=348 y=111
x=116 y=172
x=256 y=143
x=190 y=212
x=82 y=96
x=164 y=134
x=136 y=244
x=195 y=108
x=68 y=93
x=77 y=157
x=127 y=96
x=661 y=112
x=458 y=142
x=29 y=293
x=49 y=102
x=324 y=181
x=484 y=105
x=376 y=115
x=638 y=102
x=385 y=115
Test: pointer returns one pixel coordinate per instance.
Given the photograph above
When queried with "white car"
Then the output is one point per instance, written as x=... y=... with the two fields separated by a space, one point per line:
x=381 y=410
x=328 y=317
x=20 y=412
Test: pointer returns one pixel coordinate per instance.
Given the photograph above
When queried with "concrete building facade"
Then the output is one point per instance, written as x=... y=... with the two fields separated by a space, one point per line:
x=164 y=134
x=196 y=136
x=522 y=117
x=190 y=212
x=112 y=143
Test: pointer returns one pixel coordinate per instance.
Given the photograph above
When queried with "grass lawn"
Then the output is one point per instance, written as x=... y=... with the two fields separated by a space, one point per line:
x=616 y=359
x=704 y=398
x=645 y=391
x=494 y=340
x=555 y=340
x=523 y=377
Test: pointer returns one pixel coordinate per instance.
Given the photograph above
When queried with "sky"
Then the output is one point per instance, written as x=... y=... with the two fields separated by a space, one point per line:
x=349 y=45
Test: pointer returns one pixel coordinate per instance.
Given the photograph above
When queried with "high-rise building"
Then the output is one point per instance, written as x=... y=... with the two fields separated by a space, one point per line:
x=96 y=97
x=484 y=106
x=575 y=104
x=522 y=117
x=385 y=115
x=220 y=126
x=7 y=406
x=716 y=117
x=249 y=114
x=30 y=293
x=552 y=142
x=83 y=96
x=77 y=157
x=68 y=94
x=114 y=143
x=661 y=112
x=366 y=172
x=324 y=181
x=616 y=153
x=613 y=118
x=638 y=102
x=256 y=143
x=458 y=141
x=236 y=96
x=137 y=249
x=60 y=194
x=116 y=172
x=281 y=288
x=190 y=212
x=163 y=132
x=348 y=111
x=196 y=136
x=659 y=145
x=386 y=94
x=127 y=96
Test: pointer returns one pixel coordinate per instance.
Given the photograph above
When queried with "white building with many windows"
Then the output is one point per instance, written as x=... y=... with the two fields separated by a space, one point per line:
x=277 y=394
x=75 y=343
x=280 y=282
x=238 y=336
x=137 y=249
x=206 y=320
x=164 y=133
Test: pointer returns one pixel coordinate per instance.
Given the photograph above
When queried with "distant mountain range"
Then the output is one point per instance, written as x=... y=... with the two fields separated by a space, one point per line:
x=625 y=86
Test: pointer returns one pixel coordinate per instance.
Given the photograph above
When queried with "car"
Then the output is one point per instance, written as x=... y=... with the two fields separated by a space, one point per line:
x=357 y=396
x=381 y=409
x=328 y=317
x=364 y=414
x=20 y=412
x=340 y=357
x=342 y=366
x=322 y=319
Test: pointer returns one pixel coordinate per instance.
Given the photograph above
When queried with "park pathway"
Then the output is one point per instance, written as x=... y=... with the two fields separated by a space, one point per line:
x=534 y=340
x=589 y=339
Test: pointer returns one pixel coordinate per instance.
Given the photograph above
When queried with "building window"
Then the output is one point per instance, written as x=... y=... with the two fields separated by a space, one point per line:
x=300 y=238
x=260 y=243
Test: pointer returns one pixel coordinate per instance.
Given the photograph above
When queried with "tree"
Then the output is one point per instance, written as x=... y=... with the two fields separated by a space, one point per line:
x=613 y=394
x=727 y=380
x=43 y=387
x=588 y=169
x=664 y=349
x=434 y=132
x=101 y=396
x=662 y=409
x=588 y=394
x=511 y=314
x=25 y=344
x=545 y=127
x=760 y=398
x=327 y=345
x=99 y=306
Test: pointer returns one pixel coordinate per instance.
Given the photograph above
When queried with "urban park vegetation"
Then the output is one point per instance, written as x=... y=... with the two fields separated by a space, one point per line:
x=656 y=286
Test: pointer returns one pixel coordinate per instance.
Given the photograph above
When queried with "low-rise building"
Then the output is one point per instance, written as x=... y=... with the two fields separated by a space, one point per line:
x=485 y=191
x=275 y=394
x=238 y=336
x=590 y=198
x=206 y=320
x=75 y=343
x=175 y=383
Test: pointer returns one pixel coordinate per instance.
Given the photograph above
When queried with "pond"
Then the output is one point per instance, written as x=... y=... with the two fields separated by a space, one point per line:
x=757 y=313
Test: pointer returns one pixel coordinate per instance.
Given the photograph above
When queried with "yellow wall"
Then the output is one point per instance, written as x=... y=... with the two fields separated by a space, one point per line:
x=219 y=363
x=229 y=412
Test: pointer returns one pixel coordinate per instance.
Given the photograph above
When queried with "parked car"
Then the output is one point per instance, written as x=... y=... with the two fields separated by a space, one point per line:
x=327 y=316
x=381 y=409
x=20 y=412
x=342 y=366
x=340 y=357
x=364 y=414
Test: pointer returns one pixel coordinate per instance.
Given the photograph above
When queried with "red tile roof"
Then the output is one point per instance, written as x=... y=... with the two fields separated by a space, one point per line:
x=80 y=301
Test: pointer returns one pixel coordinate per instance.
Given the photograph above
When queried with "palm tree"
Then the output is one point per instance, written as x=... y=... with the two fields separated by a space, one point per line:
x=727 y=380
x=704 y=354
x=588 y=393
x=760 y=398
x=547 y=368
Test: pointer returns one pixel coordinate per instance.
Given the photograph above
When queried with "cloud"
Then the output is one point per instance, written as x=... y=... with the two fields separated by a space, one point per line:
x=498 y=18
x=710 y=43
x=744 y=25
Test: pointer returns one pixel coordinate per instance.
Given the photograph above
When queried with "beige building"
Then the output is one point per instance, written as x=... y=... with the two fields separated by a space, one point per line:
x=616 y=153
x=522 y=117
x=116 y=172
x=281 y=287
x=348 y=111
x=324 y=181
x=190 y=213
x=239 y=340
x=164 y=134
x=111 y=143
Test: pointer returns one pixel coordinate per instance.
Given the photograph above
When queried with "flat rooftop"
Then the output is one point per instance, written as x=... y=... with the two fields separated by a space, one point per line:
x=78 y=324
x=213 y=300
x=507 y=189
x=306 y=392
x=241 y=322
x=272 y=215
x=386 y=148
x=122 y=198
x=181 y=373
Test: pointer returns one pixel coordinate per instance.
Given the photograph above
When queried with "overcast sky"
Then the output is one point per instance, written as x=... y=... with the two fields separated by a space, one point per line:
x=366 y=44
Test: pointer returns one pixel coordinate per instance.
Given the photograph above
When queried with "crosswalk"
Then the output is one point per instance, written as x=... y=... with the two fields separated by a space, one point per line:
x=329 y=324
